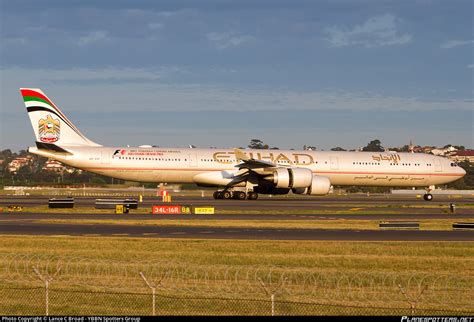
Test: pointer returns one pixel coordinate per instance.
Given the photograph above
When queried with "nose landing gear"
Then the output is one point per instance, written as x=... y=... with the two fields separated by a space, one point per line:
x=428 y=196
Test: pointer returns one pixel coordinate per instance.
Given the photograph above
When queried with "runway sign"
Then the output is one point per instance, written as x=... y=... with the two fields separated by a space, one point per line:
x=204 y=210
x=463 y=225
x=121 y=209
x=171 y=210
x=399 y=225
x=181 y=210
x=15 y=208
x=61 y=203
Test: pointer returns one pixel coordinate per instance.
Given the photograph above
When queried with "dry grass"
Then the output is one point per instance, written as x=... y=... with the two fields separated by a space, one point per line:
x=347 y=273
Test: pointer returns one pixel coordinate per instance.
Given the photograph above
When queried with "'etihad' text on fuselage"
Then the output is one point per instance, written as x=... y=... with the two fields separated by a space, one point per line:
x=294 y=158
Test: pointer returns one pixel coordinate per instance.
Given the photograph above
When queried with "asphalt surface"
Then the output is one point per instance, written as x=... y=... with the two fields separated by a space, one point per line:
x=231 y=233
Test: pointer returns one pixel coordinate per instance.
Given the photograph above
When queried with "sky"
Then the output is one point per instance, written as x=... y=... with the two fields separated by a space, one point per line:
x=220 y=73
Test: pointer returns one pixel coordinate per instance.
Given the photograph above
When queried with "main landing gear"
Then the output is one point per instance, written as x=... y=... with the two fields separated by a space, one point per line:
x=428 y=196
x=238 y=195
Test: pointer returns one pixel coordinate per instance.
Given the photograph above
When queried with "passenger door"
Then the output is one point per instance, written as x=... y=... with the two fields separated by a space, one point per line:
x=193 y=160
x=105 y=157
x=437 y=164
x=334 y=163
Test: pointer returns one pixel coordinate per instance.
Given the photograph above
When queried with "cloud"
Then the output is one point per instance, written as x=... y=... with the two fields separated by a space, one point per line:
x=154 y=25
x=470 y=66
x=228 y=39
x=456 y=43
x=377 y=31
x=14 y=41
x=92 y=37
x=149 y=90
x=96 y=75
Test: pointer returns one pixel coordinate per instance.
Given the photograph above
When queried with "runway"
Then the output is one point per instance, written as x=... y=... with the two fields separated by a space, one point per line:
x=229 y=233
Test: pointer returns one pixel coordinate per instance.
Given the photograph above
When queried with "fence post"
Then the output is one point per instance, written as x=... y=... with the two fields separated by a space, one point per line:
x=271 y=292
x=153 y=290
x=273 y=304
x=413 y=302
x=46 y=280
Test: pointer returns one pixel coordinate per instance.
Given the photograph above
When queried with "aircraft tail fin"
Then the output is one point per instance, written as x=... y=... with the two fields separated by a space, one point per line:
x=52 y=128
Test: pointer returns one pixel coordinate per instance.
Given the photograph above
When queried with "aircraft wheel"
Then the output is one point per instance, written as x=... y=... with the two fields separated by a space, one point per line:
x=252 y=195
x=226 y=195
x=428 y=197
x=240 y=195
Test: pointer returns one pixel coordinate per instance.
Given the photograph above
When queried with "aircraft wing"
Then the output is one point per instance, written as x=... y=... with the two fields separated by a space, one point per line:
x=249 y=163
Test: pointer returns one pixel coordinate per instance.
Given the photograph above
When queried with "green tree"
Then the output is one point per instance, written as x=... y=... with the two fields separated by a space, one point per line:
x=257 y=144
x=374 y=146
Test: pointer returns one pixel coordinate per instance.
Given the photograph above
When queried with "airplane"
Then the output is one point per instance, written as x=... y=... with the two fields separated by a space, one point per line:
x=235 y=173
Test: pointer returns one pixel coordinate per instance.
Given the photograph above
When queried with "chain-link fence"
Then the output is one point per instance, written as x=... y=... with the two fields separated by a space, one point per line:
x=48 y=285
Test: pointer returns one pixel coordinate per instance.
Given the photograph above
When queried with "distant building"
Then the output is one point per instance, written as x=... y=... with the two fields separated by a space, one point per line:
x=443 y=152
x=53 y=166
x=56 y=166
x=17 y=163
x=463 y=155
x=422 y=149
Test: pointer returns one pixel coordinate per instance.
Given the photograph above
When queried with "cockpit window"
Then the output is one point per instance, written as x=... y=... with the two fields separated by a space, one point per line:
x=454 y=164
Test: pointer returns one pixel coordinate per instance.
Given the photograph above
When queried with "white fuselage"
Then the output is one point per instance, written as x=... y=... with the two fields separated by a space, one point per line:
x=217 y=166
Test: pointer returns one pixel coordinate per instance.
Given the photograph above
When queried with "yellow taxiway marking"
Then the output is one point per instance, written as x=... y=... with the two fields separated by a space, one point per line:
x=148 y=234
x=120 y=234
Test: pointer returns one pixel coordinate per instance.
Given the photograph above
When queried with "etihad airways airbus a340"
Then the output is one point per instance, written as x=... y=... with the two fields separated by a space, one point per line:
x=239 y=174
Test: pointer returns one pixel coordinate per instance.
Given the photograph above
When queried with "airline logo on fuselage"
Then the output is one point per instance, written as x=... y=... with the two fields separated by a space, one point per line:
x=294 y=158
x=395 y=157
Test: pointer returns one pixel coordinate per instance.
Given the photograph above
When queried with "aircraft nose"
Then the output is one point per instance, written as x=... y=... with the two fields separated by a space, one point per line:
x=462 y=171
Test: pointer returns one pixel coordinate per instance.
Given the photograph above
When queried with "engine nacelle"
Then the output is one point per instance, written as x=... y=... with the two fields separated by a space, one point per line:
x=271 y=190
x=320 y=186
x=291 y=177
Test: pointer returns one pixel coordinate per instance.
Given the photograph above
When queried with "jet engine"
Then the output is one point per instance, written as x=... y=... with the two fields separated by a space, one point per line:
x=291 y=177
x=319 y=186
